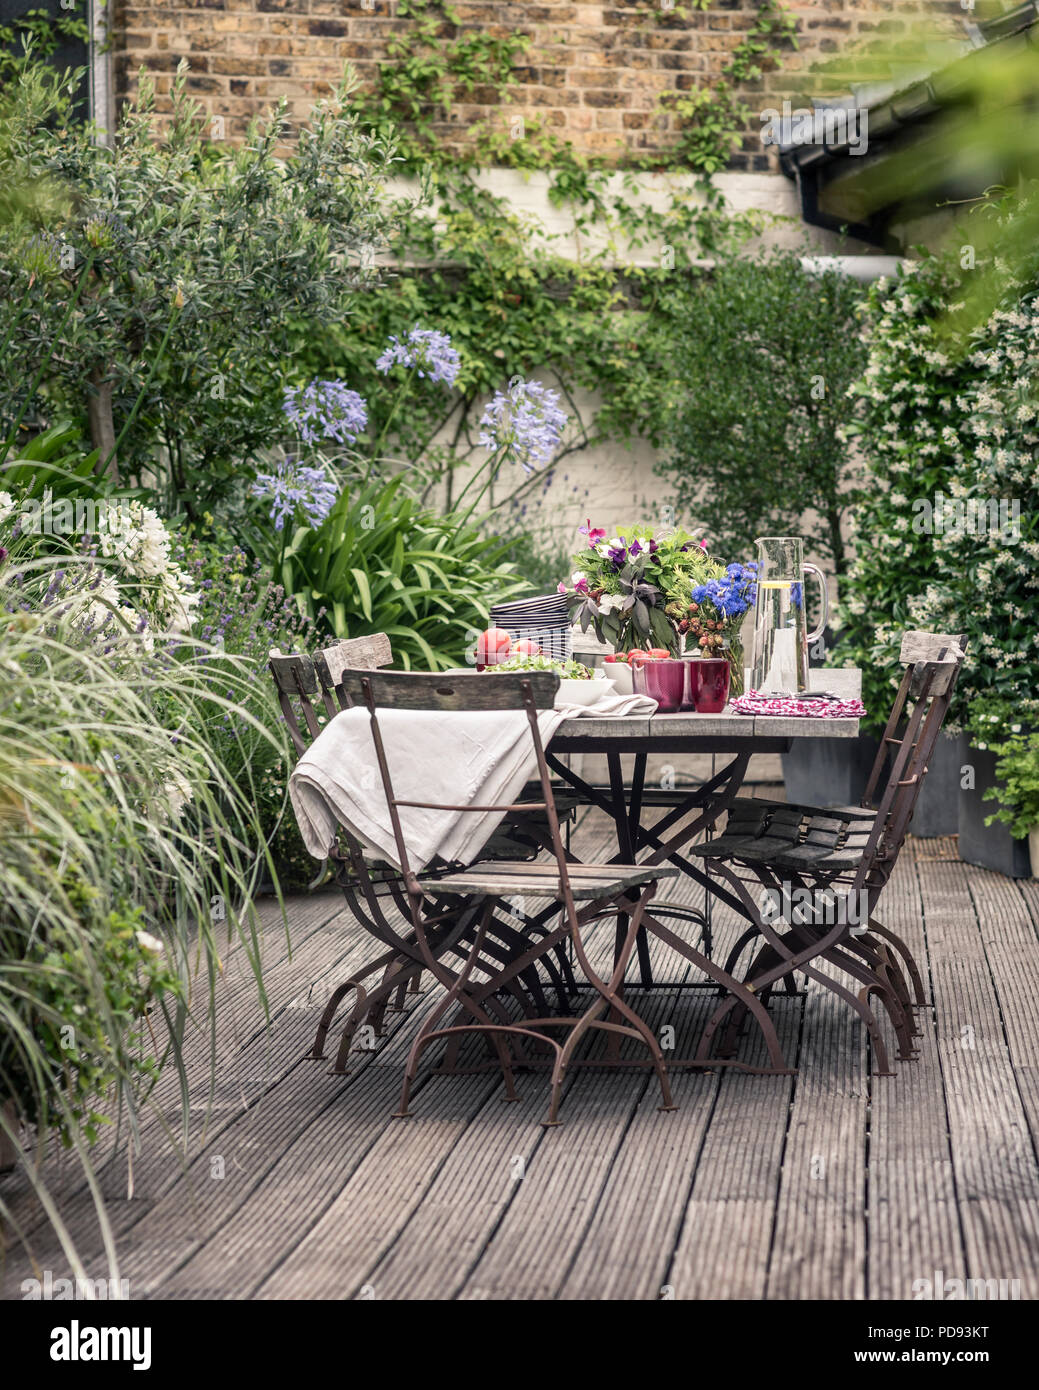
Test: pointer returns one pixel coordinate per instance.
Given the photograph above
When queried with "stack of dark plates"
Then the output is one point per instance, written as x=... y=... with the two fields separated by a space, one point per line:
x=544 y=621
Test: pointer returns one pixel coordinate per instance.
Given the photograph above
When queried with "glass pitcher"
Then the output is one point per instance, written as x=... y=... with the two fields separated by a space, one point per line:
x=781 y=637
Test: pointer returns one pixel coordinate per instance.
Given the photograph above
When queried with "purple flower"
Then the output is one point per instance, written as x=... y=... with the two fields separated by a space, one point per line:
x=292 y=487
x=525 y=423
x=425 y=349
x=325 y=410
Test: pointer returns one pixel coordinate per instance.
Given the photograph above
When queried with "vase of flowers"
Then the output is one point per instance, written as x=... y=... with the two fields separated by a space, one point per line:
x=633 y=588
x=715 y=614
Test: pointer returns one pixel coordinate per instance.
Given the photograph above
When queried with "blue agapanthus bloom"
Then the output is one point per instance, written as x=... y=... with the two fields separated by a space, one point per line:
x=325 y=410
x=425 y=349
x=294 y=487
x=526 y=422
x=731 y=595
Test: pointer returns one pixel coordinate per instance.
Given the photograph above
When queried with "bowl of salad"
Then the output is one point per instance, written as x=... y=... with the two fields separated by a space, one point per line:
x=578 y=684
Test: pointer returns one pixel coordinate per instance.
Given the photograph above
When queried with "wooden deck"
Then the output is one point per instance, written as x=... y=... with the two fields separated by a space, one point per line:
x=824 y=1185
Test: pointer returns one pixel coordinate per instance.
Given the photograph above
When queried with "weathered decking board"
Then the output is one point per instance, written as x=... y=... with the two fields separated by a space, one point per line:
x=830 y=1184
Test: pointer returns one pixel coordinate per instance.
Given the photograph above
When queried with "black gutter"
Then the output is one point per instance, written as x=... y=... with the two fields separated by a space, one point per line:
x=814 y=167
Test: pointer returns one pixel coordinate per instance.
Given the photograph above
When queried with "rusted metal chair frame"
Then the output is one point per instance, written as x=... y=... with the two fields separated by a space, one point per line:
x=771 y=846
x=629 y=886
x=298 y=679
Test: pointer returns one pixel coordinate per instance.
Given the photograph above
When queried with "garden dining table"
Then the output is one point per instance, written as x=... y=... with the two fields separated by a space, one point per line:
x=732 y=735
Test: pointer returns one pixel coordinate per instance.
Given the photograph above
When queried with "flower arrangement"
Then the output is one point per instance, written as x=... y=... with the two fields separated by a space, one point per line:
x=634 y=589
x=715 y=616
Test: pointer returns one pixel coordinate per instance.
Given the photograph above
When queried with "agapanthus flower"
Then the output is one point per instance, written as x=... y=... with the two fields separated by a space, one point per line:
x=525 y=422
x=42 y=255
x=293 y=487
x=325 y=410
x=427 y=350
x=102 y=229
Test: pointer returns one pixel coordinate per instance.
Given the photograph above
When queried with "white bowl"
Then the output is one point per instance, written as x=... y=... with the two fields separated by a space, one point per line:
x=572 y=692
x=619 y=673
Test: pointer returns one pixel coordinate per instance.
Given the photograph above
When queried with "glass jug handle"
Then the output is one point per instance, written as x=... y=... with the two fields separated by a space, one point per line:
x=813 y=636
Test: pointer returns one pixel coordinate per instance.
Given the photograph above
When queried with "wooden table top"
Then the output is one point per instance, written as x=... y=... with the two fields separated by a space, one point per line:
x=727 y=726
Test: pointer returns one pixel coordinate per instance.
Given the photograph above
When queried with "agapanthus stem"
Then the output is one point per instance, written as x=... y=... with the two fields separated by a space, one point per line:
x=405 y=387
x=495 y=459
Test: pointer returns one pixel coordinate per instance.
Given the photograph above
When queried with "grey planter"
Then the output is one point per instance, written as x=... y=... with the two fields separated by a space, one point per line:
x=938 y=809
x=991 y=846
x=829 y=771
x=834 y=772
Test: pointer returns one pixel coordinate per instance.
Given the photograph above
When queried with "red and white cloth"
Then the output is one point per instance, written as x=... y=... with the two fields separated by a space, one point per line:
x=803 y=707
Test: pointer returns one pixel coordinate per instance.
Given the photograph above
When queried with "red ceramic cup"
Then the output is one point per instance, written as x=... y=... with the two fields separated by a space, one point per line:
x=706 y=684
x=663 y=681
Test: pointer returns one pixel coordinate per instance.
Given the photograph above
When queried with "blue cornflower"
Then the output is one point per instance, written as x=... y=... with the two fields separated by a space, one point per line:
x=526 y=422
x=291 y=487
x=325 y=410
x=425 y=349
x=731 y=595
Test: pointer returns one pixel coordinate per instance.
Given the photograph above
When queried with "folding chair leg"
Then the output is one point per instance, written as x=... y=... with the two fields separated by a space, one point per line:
x=907 y=957
x=428 y=1029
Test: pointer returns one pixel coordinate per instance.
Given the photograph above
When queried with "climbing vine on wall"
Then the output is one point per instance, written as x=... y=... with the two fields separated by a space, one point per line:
x=513 y=300
x=435 y=64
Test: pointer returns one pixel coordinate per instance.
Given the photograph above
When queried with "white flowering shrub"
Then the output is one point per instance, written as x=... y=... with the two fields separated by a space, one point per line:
x=134 y=539
x=945 y=527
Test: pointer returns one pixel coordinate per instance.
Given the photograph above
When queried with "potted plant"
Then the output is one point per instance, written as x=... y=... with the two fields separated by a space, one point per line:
x=1017 y=791
x=715 y=615
x=646 y=592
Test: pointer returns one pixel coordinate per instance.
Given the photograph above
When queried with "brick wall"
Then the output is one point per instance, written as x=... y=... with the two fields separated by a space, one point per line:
x=593 y=74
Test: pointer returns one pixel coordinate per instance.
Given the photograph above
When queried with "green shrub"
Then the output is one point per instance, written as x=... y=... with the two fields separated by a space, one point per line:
x=1017 y=768
x=948 y=430
x=151 y=285
x=763 y=354
x=382 y=563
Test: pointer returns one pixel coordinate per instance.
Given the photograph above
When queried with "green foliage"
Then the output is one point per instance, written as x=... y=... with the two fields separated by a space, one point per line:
x=762 y=357
x=153 y=286
x=117 y=817
x=713 y=119
x=34 y=35
x=243 y=615
x=380 y=563
x=435 y=62
x=949 y=437
x=1017 y=791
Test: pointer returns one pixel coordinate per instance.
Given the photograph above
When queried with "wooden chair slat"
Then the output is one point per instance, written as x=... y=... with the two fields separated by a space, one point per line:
x=472 y=691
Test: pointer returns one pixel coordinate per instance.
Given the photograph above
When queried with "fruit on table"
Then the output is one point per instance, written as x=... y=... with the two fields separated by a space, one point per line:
x=492 y=646
x=636 y=658
x=525 y=647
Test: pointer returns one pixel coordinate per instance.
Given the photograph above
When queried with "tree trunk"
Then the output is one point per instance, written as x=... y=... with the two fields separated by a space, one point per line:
x=8 y=1147
x=102 y=426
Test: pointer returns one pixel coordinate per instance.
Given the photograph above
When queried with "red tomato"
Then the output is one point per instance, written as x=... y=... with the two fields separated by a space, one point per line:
x=658 y=653
x=524 y=647
x=492 y=646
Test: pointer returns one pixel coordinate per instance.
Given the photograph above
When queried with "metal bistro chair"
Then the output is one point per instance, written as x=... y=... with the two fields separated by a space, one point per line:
x=479 y=894
x=299 y=680
x=836 y=863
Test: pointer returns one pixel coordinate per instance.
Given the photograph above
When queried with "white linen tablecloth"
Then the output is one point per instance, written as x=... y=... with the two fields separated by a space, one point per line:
x=460 y=758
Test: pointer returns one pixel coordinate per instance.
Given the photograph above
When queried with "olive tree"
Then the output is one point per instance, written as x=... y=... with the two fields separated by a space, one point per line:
x=153 y=287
